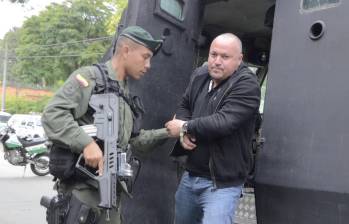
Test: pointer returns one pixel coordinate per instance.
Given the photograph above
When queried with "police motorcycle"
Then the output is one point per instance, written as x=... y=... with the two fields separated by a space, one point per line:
x=20 y=151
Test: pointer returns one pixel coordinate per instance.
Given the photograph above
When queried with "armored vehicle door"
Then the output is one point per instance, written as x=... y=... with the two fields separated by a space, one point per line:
x=177 y=21
x=302 y=171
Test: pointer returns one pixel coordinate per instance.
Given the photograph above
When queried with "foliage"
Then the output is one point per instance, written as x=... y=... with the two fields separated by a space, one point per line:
x=22 y=105
x=11 y=39
x=119 y=6
x=48 y=47
x=61 y=39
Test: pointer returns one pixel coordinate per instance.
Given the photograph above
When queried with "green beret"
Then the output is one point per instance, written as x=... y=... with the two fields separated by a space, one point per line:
x=141 y=36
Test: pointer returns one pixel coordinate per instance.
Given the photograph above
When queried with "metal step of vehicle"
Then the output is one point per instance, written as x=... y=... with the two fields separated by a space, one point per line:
x=246 y=210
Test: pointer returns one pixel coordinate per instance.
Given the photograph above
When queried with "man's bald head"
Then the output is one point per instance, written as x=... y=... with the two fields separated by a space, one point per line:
x=232 y=38
x=225 y=57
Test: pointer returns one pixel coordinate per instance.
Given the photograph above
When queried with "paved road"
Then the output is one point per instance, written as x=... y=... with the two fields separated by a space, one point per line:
x=20 y=194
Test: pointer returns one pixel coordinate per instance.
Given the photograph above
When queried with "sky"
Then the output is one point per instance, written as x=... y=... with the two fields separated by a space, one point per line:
x=13 y=14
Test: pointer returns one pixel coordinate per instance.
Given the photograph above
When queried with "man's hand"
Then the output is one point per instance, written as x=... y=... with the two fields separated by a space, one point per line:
x=188 y=142
x=94 y=157
x=174 y=127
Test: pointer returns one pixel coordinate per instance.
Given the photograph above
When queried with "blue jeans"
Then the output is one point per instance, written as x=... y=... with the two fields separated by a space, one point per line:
x=197 y=202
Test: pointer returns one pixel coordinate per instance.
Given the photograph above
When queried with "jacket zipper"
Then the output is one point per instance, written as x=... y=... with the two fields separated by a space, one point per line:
x=213 y=177
x=210 y=161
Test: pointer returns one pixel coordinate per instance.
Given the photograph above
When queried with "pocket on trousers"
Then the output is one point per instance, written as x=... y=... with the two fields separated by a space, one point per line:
x=80 y=212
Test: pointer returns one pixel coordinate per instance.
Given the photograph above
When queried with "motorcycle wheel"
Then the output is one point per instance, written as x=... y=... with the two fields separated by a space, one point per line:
x=40 y=165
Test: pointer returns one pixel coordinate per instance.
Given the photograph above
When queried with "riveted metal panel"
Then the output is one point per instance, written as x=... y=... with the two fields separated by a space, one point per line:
x=305 y=116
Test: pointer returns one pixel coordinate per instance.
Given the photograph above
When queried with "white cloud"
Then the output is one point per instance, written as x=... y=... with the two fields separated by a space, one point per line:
x=13 y=15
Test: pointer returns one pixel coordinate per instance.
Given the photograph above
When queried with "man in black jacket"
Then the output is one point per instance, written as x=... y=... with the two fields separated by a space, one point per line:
x=215 y=123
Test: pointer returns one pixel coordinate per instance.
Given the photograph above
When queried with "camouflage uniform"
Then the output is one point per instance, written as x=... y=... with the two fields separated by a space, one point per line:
x=67 y=111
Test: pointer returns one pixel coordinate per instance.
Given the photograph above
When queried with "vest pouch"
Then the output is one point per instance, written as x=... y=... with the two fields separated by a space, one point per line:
x=62 y=162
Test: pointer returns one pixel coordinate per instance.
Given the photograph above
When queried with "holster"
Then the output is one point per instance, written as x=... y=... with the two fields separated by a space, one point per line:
x=80 y=213
x=57 y=208
x=68 y=209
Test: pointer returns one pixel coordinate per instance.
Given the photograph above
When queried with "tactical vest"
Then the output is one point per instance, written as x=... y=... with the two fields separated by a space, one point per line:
x=62 y=160
x=105 y=84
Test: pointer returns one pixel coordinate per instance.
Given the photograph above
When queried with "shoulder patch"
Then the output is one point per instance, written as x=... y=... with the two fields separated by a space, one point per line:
x=82 y=81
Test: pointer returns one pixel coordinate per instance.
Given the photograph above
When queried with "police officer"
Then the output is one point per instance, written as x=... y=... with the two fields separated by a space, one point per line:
x=68 y=110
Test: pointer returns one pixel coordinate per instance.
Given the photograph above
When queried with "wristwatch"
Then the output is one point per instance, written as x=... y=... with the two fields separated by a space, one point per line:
x=185 y=127
x=183 y=131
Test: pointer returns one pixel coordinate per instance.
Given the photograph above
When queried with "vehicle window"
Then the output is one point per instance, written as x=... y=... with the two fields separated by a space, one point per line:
x=37 y=122
x=318 y=4
x=4 y=119
x=30 y=124
x=173 y=7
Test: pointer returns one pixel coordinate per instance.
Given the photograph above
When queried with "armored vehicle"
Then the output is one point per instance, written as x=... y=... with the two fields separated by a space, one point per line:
x=298 y=50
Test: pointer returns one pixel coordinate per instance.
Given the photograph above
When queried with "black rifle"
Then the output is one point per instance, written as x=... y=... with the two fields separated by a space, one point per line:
x=106 y=120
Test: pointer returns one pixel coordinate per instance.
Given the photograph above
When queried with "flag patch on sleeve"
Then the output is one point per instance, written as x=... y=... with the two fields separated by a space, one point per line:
x=82 y=81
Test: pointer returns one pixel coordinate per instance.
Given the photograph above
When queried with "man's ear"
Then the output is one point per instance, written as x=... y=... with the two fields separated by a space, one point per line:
x=125 y=50
x=240 y=58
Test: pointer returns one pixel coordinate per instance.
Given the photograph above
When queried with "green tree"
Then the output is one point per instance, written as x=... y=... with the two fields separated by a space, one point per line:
x=11 y=39
x=21 y=105
x=119 y=6
x=61 y=39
